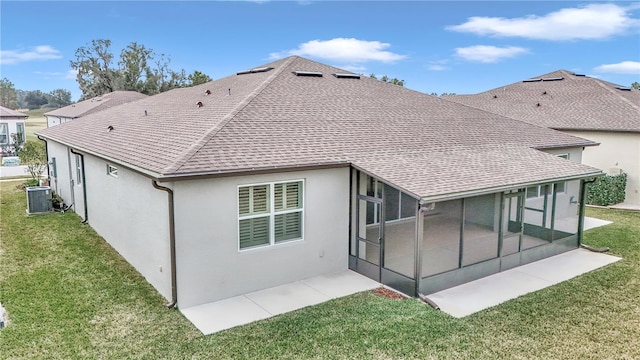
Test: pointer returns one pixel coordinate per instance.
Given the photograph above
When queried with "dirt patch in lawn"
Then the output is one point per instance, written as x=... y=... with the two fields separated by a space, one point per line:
x=390 y=294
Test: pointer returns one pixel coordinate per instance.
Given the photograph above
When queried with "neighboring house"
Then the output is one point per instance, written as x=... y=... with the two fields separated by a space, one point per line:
x=579 y=105
x=296 y=169
x=12 y=123
x=90 y=106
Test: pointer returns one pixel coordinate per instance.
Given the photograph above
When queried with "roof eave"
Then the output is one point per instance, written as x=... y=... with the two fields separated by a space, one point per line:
x=564 y=146
x=140 y=170
x=250 y=171
x=496 y=189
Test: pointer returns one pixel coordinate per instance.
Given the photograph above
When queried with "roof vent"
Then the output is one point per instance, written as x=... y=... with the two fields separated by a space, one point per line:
x=623 y=88
x=544 y=93
x=199 y=104
x=255 y=70
x=308 y=73
x=538 y=104
x=574 y=74
x=207 y=92
x=346 y=76
x=109 y=128
x=553 y=79
x=495 y=96
x=532 y=80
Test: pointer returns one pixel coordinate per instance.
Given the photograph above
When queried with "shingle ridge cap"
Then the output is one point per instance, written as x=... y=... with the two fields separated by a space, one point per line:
x=215 y=129
x=616 y=94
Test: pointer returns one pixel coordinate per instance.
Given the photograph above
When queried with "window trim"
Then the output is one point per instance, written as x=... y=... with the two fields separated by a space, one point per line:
x=112 y=171
x=5 y=132
x=20 y=129
x=78 y=170
x=271 y=214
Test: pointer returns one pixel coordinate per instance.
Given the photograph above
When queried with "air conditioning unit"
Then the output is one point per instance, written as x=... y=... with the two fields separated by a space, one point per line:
x=38 y=199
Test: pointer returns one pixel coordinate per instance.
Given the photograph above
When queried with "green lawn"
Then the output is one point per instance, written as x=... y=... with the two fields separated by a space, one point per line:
x=34 y=124
x=70 y=296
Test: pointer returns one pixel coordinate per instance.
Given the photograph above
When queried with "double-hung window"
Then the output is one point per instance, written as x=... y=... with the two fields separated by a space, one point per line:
x=4 y=133
x=20 y=132
x=269 y=214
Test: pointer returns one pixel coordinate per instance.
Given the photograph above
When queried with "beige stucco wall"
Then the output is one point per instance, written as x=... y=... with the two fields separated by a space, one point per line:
x=126 y=211
x=616 y=151
x=210 y=267
x=12 y=126
x=60 y=181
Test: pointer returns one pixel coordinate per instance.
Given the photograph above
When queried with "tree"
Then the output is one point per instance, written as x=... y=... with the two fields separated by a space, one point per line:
x=8 y=94
x=33 y=155
x=138 y=69
x=635 y=85
x=386 y=79
x=198 y=78
x=133 y=62
x=94 y=66
x=35 y=99
x=59 y=98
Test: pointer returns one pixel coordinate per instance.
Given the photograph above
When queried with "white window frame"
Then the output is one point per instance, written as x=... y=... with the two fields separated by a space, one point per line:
x=23 y=135
x=4 y=130
x=78 y=170
x=271 y=214
x=112 y=171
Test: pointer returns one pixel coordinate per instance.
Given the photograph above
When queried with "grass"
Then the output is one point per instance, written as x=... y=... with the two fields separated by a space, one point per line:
x=34 y=124
x=70 y=296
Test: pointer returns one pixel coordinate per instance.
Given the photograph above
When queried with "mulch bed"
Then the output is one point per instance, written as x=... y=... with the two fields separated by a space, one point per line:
x=390 y=294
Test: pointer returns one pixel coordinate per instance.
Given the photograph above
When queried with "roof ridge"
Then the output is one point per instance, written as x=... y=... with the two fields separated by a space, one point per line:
x=599 y=82
x=214 y=130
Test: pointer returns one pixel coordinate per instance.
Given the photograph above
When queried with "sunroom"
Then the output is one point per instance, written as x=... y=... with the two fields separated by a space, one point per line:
x=422 y=246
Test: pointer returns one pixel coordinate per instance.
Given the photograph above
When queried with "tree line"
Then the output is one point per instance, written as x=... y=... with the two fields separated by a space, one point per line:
x=138 y=68
x=36 y=99
x=99 y=72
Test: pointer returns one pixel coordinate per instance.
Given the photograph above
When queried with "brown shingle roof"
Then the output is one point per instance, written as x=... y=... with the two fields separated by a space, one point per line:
x=8 y=113
x=275 y=120
x=573 y=103
x=98 y=103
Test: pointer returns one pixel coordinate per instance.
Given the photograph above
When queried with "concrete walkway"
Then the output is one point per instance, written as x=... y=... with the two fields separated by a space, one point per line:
x=458 y=301
x=7 y=171
x=224 y=314
x=481 y=294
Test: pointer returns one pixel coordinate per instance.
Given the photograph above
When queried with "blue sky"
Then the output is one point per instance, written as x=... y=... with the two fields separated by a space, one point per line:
x=435 y=46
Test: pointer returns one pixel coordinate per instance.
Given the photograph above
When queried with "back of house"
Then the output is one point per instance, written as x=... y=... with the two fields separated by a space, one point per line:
x=295 y=169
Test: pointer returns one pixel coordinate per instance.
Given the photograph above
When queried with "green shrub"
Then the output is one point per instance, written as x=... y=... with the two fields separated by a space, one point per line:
x=607 y=190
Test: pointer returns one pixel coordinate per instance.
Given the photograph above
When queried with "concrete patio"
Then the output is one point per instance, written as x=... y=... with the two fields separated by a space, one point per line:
x=239 y=310
x=481 y=294
x=458 y=301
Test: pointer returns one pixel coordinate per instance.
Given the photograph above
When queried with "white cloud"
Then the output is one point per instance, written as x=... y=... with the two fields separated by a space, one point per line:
x=71 y=75
x=355 y=68
x=41 y=52
x=436 y=67
x=489 y=54
x=594 y=21
x=624 y=67
x=344 y=50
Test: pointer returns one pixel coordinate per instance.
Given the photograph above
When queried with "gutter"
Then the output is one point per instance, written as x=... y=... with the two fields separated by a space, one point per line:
x=46 y=154
x=84 y=186
x=131 y=167
x=172 y=244
x=495 y=189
